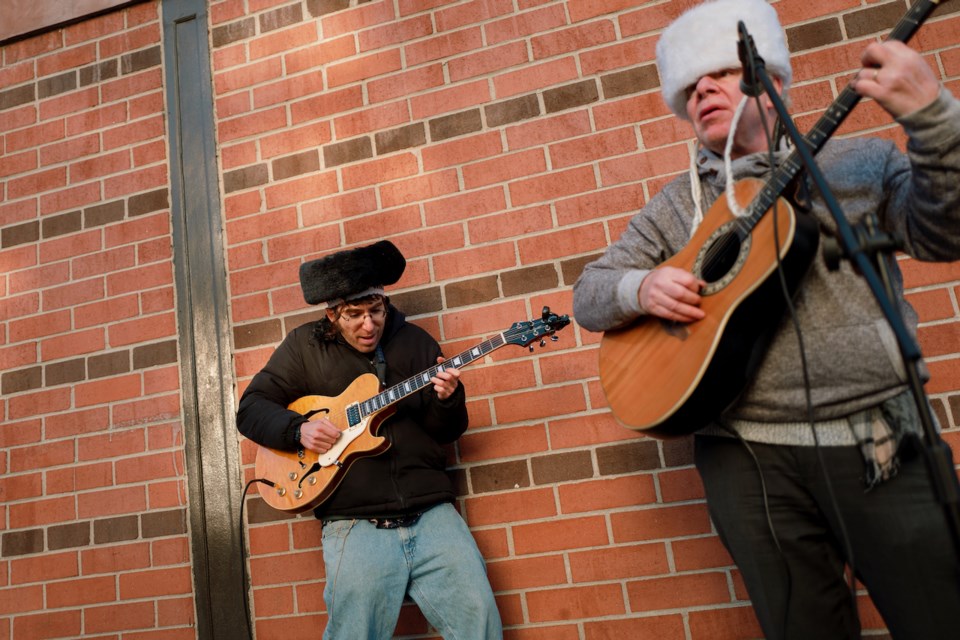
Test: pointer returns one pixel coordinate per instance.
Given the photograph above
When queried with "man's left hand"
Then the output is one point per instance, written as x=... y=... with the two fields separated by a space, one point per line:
x=897 y=77
x=446 y=381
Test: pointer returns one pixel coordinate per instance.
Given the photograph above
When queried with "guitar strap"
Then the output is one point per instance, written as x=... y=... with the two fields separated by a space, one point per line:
x=381 y=365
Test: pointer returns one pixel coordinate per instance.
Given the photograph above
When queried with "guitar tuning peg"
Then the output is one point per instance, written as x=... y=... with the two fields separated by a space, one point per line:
x=554 y=338
x=531 y=348
x=542 y=342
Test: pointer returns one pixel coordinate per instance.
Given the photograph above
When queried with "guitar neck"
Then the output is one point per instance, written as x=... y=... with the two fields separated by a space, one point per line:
x=414 y=383
x=830 y=121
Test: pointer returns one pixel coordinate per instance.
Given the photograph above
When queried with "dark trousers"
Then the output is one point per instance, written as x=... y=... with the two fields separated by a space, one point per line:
x=903 y=551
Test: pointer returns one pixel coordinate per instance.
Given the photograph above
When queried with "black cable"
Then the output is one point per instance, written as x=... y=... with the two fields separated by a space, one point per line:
x=792 y=312
x=243 y=556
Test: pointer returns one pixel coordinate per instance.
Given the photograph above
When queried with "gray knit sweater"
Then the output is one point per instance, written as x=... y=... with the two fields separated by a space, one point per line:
x=852 y=356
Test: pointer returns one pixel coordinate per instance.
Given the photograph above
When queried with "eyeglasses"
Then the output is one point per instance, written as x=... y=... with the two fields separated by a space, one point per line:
x=354 y=317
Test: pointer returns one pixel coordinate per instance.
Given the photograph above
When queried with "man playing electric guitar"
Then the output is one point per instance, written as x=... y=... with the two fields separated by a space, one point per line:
x=389 y=527
x=789 y=530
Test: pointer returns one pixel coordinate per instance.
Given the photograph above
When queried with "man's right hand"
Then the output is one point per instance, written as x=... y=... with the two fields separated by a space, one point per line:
x=672 y=294
x=318 y=435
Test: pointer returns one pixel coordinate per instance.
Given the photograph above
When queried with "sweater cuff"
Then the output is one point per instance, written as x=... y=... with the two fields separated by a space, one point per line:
x=628 y=292
x=926 y=126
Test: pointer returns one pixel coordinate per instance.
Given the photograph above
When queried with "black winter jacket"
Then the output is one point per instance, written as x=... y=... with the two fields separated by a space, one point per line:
x=411 y=475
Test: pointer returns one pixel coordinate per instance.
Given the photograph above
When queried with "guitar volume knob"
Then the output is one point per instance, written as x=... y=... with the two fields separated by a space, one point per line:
x=281 y=491
x=298 y=494
x=292 y=475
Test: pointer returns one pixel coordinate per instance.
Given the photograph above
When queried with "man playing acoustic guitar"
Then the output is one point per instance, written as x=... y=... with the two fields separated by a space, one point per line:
x=792 y=503
x=389 y=528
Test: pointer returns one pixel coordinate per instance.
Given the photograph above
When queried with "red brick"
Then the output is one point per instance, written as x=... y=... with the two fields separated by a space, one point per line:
x=111 y=502
x=79 y=421
x=525 y=24
x=471 y=12
x=19 y=600
x=307 y=242
x=79 y=477
x=24 y=162
x=287 y=89
x=535 y=77
x=618 y=56
x=595 y=147
x=261 y=226
x=700 y=553
x=455 y=98
x=931 y=305
x=394 y=33
x=111 y=445
x=118 y=616
x=576 y=38
x=404 y=83
x=619 y=562
x=32 y=137
x=166 y=495
x=55 y=624
x=40 y=403
x=108 y=390
x=939 y=339
x=562 y=243
x=660 y=522
x=488 y=60
x=357 y=18
x=140 y=411
x=20 y=487
x=70 y=149
x=510 y=506
x=170 y=551
x=501 y=443
x=44 y=568
x=575 y=602
x=379 y=117
x=105 y=312
x=38 y=182
x=39 y=326
x=379 y=171
x=443 y=46
x=665 y=627
x=381 y=224
x=504 y=168
x=724 y=624
x=115 y=558
x=560 y=535
x=363 y=68
x=292 y=567
x=605 y=494
x=466 y=206
x=527 y=573
x=41 y=512
x=681 y=485
x=271 y=602
x=307 y=188
x=81 y=591
x=282 y=40
x=418 y=188
x=149 y=467
x=253 y=124
x=69 y=103
x=330 y=103
x=473 y=261
x=510 y=224
x=158 y=582
x=16 y=433
x=141 y=330
x=338 y=207
x=542 y=403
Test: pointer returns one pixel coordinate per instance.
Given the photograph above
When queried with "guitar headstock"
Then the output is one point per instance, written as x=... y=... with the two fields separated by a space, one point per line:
x=525 y=333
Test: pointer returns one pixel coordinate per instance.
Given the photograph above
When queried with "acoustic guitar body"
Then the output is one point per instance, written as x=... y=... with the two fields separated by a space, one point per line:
x=669 y=378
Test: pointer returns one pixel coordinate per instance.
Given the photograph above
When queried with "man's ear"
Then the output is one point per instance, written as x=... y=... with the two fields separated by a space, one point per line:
x=331 y=315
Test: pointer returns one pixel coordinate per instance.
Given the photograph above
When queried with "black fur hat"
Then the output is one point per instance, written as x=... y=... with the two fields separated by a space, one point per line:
x=352 y=273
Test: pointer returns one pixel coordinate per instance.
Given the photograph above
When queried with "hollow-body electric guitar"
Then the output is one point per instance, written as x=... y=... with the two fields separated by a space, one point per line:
x=669 y=378
x=296 y=481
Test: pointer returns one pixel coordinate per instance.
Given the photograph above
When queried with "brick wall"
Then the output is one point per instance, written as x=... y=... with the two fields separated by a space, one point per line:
x=92 y=500
x=501 y=145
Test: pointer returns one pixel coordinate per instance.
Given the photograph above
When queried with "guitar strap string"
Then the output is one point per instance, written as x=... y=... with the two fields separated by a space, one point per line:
x=381 y=365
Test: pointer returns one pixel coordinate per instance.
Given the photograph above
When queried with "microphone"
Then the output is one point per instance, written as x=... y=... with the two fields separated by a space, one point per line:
x=749 y=60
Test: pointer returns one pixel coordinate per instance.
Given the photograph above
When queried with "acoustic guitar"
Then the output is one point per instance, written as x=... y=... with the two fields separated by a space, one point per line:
x=670 y=379
x=295 y=481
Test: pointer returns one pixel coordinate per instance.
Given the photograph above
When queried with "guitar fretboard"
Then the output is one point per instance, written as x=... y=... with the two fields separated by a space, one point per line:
x=398 y=392
x=828 y=123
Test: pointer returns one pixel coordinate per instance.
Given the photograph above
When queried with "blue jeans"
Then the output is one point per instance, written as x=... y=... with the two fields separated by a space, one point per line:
x=436 y=561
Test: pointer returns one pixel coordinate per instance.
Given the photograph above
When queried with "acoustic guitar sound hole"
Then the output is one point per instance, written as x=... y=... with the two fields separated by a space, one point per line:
x=720 y=257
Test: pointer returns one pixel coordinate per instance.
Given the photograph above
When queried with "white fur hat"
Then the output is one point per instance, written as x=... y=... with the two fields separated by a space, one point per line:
x=704 y=40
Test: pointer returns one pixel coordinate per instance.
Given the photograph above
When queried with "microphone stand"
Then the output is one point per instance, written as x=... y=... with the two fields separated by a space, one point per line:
x=862 y=248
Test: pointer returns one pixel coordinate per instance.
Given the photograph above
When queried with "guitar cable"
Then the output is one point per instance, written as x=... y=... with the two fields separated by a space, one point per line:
x=845 y=539
x=243 y=555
